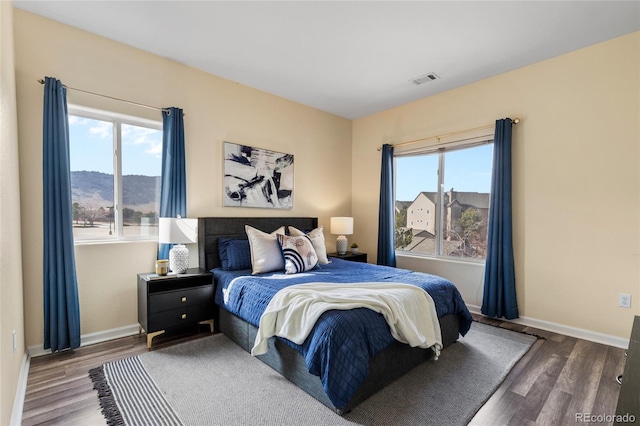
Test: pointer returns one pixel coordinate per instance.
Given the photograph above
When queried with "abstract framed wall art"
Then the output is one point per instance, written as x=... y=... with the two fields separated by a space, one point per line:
x=256 y=177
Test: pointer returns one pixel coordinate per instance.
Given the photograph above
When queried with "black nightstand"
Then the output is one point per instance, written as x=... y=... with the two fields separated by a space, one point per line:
x=174 y=300
x=360 y=257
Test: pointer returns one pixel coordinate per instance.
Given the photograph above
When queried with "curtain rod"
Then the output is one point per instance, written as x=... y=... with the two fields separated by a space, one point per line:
x=41 y=81
x=515 y=121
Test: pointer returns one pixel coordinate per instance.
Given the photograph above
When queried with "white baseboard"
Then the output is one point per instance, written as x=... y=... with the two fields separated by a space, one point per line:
x=21 y=390
x=580 y=333
x=90 y=339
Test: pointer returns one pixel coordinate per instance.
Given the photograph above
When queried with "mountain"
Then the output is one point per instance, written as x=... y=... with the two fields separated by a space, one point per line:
x=96 y=189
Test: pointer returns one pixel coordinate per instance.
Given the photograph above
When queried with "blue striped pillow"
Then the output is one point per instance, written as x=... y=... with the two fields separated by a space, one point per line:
x=299 y=254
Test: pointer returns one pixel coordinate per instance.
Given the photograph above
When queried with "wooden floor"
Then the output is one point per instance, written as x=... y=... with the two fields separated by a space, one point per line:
x=557 y=379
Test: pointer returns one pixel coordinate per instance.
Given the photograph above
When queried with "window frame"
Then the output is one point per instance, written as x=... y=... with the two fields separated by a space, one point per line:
x=440 y=150
x=117 y=119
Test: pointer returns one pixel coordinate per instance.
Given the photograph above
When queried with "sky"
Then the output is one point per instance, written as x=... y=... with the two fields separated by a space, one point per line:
x=92 y=147
x=92 y=150
x=465 y=170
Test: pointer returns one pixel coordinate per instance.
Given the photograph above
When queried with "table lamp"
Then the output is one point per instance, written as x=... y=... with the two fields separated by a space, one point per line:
x=341 y=226
x=178 y=231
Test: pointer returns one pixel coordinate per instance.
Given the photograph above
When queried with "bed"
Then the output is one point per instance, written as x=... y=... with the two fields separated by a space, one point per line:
x=307 y=366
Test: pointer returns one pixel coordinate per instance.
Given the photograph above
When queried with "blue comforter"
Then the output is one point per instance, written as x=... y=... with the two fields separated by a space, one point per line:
x=342 y=343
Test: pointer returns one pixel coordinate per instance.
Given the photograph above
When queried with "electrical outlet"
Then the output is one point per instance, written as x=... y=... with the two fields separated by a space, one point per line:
x=624 y=300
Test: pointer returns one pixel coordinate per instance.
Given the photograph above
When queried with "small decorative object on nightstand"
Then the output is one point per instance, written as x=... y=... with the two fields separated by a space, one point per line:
x=174 y=300
x=162 y=267
x=360 y=257
x=354 y=248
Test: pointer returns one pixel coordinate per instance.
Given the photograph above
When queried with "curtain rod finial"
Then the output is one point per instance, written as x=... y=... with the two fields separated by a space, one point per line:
x=516 y=120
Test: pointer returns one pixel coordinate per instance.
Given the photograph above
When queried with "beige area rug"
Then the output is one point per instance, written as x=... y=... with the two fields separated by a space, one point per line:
x=211 y=381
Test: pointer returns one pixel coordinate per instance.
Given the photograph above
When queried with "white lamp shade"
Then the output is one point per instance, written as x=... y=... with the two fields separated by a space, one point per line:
x=342 y=225
x=177 y=230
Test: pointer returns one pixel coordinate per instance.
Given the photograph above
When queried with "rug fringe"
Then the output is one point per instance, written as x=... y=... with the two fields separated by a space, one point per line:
x=108 y=404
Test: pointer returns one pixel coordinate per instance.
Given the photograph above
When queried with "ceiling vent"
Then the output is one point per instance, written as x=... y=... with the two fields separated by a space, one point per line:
x=424 y=79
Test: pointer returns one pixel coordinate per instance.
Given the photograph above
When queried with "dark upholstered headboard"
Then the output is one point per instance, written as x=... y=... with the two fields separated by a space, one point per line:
x=212 y=228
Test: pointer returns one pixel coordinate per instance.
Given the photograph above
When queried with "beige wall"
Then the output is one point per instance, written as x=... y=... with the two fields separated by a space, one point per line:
x=578 y=141
x=11 y=301
x=216 y=110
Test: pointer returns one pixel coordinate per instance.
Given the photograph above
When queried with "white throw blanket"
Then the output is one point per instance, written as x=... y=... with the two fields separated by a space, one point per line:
x=294 y=310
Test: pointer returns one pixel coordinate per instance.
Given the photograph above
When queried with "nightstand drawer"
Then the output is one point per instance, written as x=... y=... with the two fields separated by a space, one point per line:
x=180 y=299
x=175 y=317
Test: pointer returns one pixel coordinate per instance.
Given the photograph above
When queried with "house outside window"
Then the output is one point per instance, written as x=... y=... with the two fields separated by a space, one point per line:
x=446 y=189
x=116 y=163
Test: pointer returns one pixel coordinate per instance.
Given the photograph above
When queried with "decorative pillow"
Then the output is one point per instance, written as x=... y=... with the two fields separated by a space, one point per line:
x=298 y=252
x=266 y=255
x=234 y=254
x=317 y=239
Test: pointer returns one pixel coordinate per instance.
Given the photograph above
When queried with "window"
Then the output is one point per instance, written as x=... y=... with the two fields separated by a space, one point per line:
x=116 y=166
x=445 y=193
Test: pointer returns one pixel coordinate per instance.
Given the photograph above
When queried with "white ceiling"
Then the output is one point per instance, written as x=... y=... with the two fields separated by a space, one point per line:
x=350 y=58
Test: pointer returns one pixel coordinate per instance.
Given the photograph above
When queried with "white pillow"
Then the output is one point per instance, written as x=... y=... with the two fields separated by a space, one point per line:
x=266 y=255
x=317 y=239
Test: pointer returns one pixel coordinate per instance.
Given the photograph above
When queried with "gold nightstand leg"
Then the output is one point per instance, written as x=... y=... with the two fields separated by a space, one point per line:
x=210 y=322
x=139 y=331
x=150 y=337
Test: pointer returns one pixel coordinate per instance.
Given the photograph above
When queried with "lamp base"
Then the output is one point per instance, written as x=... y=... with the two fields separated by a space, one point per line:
x=179 y=259
x=341 y=244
